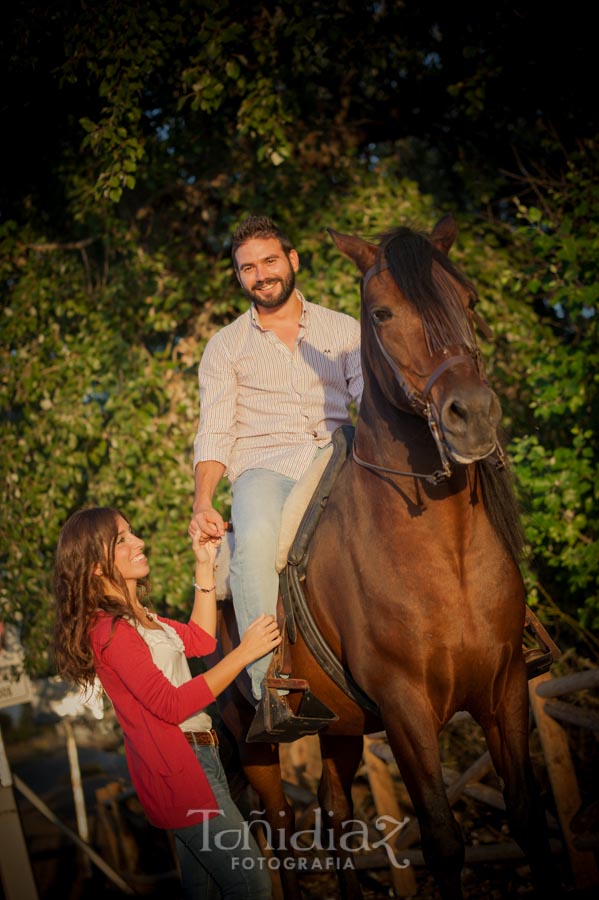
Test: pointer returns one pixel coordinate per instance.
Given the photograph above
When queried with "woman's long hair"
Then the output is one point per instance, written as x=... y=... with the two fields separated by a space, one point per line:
x=87 y=539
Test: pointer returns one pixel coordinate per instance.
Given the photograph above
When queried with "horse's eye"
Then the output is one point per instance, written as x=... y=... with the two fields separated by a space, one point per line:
x=381 y=314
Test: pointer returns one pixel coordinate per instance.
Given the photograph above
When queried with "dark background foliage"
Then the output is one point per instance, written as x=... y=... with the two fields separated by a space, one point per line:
x=137 y=134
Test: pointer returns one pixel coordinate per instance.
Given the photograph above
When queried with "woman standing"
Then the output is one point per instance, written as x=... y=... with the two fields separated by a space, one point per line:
x=103 y=629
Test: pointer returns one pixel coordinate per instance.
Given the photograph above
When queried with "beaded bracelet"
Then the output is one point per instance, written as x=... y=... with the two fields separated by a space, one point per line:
x=203 y=590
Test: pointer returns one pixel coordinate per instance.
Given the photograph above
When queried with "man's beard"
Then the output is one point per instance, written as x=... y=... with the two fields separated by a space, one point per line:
x=287 y=289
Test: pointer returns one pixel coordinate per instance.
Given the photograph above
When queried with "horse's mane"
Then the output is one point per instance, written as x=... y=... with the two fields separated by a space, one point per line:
x=409 y=255
x=502 y=507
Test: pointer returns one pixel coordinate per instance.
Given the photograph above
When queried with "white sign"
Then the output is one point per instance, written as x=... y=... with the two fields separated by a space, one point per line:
x=13 y=690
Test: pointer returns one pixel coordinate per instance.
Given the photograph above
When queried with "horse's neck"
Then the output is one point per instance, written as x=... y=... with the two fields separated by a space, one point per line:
x=398 y=440
x=404 y=444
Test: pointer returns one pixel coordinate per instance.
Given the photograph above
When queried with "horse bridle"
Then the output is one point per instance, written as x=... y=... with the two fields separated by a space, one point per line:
x=420 y=401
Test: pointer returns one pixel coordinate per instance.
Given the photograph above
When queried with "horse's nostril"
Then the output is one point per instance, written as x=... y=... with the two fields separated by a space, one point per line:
x=458 y=411
x=455 y=417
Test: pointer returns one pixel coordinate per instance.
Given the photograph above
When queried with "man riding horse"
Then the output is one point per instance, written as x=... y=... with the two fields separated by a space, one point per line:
x=274 y=386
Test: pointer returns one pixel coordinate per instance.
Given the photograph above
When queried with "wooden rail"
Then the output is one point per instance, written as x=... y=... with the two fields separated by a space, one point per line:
x=558 y=760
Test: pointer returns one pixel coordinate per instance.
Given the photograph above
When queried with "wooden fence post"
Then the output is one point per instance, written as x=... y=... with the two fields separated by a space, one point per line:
x=16 y=874
x=385 y=801
x=564 y=785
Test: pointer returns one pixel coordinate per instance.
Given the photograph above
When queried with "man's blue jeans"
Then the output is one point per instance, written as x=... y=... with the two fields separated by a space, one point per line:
x=258 y=496
x=219 y=858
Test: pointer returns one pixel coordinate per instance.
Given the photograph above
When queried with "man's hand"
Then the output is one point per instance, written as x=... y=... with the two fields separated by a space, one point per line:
x=208 y=522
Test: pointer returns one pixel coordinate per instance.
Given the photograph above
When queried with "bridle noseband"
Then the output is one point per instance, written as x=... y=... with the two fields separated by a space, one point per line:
x=420 y=401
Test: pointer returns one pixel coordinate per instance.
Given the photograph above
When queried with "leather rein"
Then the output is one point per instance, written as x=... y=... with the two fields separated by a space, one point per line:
x=420 y=401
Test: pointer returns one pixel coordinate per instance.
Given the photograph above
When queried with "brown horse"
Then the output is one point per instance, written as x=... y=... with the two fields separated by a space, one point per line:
x=413 y=575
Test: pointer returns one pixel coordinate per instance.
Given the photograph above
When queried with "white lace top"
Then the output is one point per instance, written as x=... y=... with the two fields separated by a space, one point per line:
x=168 y=654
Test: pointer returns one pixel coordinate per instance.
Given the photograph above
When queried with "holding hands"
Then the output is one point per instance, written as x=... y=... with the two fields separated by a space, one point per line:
x=204 y=549
x=208 y=522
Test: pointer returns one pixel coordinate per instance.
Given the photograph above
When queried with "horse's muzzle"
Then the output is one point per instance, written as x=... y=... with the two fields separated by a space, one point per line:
x=468 y=420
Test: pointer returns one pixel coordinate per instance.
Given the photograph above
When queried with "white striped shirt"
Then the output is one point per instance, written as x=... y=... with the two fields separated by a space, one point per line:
x=265 y=406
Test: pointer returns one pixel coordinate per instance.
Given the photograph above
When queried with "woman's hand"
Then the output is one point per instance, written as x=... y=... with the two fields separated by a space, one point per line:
x=205 y=549
x=261 y=636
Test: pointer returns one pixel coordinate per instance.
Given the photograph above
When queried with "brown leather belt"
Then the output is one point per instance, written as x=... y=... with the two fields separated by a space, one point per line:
x=202 y=737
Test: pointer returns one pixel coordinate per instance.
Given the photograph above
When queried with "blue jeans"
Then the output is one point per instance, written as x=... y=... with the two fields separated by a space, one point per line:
x=219 y=857
x=258 y=496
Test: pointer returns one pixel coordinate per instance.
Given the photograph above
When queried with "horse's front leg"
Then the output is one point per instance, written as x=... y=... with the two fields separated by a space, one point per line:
x=414 y=740
x=341 y=757
x=262 y=769
x=508 y=742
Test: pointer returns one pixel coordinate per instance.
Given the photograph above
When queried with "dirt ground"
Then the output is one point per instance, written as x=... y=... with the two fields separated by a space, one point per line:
x=143 y=855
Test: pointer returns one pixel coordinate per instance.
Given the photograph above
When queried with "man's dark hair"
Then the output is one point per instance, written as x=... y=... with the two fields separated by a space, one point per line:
x=258 y=227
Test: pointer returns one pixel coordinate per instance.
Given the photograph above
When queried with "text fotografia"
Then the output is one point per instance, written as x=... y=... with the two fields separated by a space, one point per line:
x=354 y=838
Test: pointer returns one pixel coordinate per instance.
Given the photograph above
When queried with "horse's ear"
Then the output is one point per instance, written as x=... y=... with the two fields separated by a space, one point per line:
x=445 y=233
x=361 y=252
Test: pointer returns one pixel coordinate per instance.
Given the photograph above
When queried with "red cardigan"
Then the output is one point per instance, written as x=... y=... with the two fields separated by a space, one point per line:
x=164 y=769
